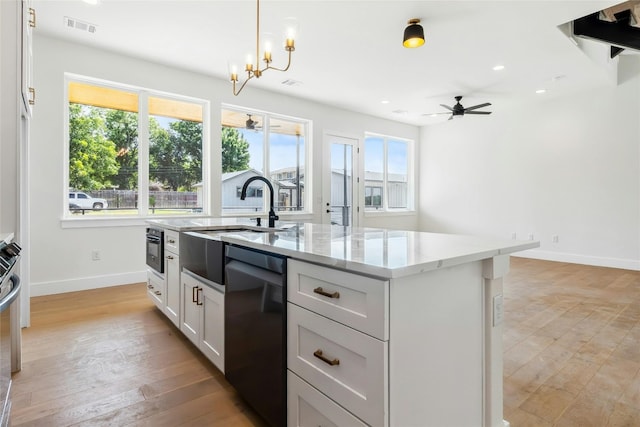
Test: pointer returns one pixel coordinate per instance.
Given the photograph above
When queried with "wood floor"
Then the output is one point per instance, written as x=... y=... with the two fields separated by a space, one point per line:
x=107 y=357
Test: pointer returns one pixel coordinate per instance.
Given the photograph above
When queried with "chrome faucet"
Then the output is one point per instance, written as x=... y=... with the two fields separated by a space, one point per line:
x=272 y=215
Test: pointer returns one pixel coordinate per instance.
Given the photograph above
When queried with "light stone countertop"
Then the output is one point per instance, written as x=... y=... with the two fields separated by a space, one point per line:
x=376 y=252
x=371 y=251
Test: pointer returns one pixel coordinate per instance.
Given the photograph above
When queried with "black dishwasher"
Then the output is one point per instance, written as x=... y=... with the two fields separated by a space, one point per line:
x=255 y=330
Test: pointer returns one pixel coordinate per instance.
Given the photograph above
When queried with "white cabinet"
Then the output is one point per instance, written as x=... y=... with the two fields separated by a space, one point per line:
x=337 y=344
x=401 y=352
x=156 y=288
x=172 y=275
x=203 y=318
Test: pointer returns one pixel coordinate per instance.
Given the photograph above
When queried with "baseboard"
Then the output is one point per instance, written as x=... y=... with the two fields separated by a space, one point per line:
x=625 y=264
x=85 y=283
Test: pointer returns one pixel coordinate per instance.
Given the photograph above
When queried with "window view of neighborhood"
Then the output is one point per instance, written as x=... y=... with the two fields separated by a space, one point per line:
x=386 y=172
x=259 y=144
x=105 y=152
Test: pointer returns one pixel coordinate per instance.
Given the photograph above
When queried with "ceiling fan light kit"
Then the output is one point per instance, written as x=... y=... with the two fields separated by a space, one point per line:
x=413 y=34
x=253 y=70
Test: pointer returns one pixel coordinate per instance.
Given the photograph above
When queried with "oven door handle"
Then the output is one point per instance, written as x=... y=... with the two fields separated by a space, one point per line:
x=153 y=239
x=11 y=296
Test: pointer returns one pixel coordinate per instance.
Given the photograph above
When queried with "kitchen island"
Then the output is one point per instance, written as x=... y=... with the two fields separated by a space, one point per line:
x=391 y=328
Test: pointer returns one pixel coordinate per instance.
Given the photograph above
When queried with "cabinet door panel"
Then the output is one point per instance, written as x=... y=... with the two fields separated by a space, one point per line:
x=212 y=344
x=172 y=273
x=191 y=311
x=155 y=289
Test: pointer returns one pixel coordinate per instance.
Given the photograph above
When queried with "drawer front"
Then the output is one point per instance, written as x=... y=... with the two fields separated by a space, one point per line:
x=155 y=289
x=348 y=366
x=357 y=301
x=307 y=407
x=172 y=241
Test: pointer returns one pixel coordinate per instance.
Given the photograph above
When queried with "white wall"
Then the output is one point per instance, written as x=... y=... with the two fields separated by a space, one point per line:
x=565 y=166
x=61 y=257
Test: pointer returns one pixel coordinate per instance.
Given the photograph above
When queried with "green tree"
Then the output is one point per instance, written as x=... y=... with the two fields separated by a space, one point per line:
x=122 y=128
x=175 y=156
x=235 y=150
x=91 y=155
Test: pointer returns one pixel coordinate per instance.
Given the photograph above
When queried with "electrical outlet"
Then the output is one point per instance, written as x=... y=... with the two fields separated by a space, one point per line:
x=530 y=236
x=95 y=255
x=555 y=238
x=498 y=310
x=513 y=236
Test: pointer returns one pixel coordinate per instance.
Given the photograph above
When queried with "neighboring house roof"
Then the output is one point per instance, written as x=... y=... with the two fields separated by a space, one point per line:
x=229 y=175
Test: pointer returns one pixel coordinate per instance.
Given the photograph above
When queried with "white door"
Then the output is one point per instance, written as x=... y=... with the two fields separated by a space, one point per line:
x=340 y=194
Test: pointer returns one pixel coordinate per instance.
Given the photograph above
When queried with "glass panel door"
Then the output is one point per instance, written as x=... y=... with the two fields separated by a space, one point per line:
x=340 y=181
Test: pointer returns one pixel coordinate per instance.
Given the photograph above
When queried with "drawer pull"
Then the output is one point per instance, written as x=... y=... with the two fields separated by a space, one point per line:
x=318 y=354
x=326 y=294
x=171 y=240
x=169 y=257
x=193 y=294
x=158 y=293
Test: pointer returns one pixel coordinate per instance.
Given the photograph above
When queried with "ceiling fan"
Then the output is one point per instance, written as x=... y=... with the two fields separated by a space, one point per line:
x=254 y=125
x=458 y=110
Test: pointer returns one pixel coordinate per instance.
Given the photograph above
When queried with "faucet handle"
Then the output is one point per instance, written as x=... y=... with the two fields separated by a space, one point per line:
x=258 y=219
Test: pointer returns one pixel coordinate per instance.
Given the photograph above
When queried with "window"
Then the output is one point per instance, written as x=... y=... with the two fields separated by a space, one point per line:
x=387 y=165
x=135 y=151
x=263 y=144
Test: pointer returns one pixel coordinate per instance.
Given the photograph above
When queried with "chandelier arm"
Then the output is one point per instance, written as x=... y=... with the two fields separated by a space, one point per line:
x=241 y=87
x=269 y=67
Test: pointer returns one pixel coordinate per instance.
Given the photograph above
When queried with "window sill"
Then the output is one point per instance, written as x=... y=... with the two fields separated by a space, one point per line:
x=390 y=213
x=133 y=221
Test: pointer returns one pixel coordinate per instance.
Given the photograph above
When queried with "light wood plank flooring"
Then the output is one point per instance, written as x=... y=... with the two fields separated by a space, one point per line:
x=107 y=357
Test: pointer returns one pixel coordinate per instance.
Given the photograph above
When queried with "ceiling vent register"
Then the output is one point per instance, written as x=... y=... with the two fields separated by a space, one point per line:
x=80 y=25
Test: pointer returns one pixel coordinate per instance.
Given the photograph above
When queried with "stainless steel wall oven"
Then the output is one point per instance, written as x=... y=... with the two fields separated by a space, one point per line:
x=155 y=249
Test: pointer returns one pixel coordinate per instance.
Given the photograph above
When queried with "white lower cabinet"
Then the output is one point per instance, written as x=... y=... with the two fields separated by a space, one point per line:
x=203 y=318
x=172 y=273
x=156 y=289
x=307 y=407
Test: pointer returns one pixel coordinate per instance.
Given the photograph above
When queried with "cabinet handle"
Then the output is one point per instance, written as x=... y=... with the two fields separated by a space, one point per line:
x=32 y=98
x=32 y=17
x=169 y=257
x=318 y=354
x=198 y=296
x=171 y=241
x=158 y=293
x=193 y=294
x=326 y=294
x=150 y=286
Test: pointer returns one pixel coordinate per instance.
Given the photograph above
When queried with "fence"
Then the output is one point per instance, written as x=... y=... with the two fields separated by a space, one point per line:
x=128 y=199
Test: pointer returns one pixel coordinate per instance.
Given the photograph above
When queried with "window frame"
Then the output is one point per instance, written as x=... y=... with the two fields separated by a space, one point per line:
x=267 y=117
x=384 y=209
x=144 y=212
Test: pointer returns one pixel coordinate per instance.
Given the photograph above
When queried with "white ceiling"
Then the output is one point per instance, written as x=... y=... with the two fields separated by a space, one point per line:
x=349 y=53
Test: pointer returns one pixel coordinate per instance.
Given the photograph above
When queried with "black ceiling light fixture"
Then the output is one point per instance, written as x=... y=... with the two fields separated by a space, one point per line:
x=413 y=34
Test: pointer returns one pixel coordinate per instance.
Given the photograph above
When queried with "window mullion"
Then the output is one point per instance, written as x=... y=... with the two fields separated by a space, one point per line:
x=143 y=153
x=385 y=172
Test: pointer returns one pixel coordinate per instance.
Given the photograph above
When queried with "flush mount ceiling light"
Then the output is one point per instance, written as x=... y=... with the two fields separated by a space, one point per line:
x=413 y=34
x=254 y=70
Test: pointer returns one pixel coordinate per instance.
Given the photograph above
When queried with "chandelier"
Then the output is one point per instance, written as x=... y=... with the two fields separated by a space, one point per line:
x=255 y=70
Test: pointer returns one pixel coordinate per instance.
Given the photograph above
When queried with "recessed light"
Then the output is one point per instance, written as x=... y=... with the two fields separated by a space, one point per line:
x=384 y=101
x=541 y=91
x=92 y=2
x=498 y=68
x=401 y=112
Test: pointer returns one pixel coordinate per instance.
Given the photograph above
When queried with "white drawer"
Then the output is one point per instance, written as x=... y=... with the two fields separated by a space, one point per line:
x=357 y=379
x=357 y=301
x=172 y=241
x=307 y=407
x=155 y=289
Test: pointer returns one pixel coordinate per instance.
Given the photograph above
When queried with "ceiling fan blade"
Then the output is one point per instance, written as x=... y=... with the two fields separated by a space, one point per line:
x=477 y=112
x=447 y=107
x=486 y=104
x=433 y=114
x=450 y=118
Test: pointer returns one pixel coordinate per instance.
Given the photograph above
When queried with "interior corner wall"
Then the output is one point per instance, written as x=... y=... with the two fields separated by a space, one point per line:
x=566 y=167
x=61 y=257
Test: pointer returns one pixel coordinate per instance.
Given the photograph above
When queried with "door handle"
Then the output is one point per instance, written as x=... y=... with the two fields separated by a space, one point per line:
x=193 y=294
x=198 y=296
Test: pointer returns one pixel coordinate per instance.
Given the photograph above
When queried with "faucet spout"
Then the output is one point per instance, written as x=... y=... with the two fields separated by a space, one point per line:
x=272 y=215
